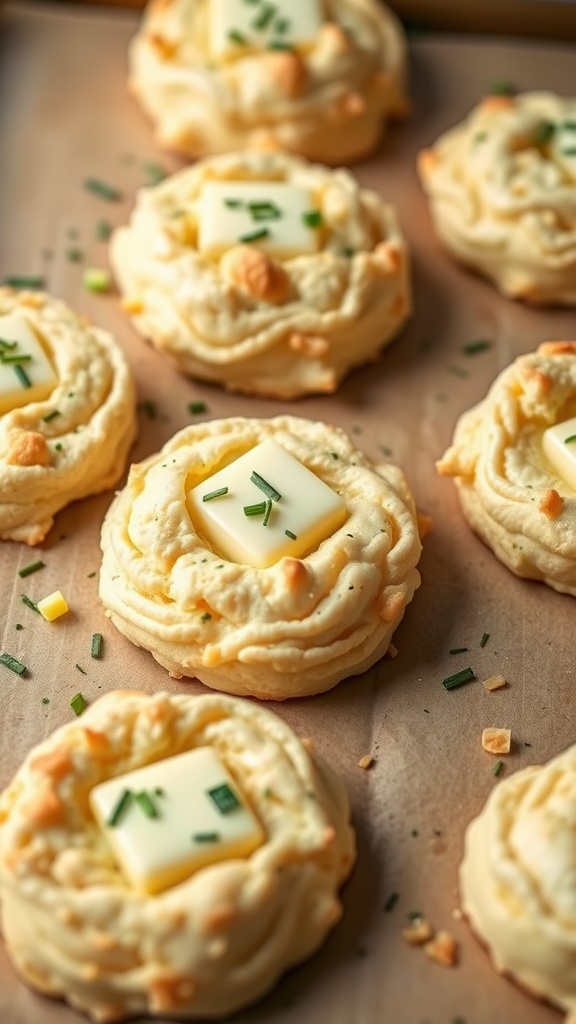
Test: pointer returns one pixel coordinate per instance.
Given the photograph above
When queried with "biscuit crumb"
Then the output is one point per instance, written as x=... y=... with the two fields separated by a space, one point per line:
x=496 y=741
x=256 y=273
x=392 y=651
x=551 y=504
x=418 y=932
x=424 y=524
x=442 y=949
x=366 y=762
x=493 y=683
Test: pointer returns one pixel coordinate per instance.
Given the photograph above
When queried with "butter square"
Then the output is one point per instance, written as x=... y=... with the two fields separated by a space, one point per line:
x=560 y=454
x=269 y=214
x=306 y=512
x=18 y=338
x=195 y=816
x=235 y=25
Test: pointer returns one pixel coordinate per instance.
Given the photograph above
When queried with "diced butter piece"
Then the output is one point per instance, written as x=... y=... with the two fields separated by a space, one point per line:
x=31 y=380
x=306 y=512
x=559 y=445
x=272 y=215
x=237 y=25
x=53 y=606
x=172 y=817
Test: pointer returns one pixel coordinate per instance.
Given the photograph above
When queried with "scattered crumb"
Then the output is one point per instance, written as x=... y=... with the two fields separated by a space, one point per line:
x=493 y=682
x=496 y=741
x=457 y=914
x=424 y=524
x=366 y=762
x=392 y=651
x=443 y=949
x=418 y=932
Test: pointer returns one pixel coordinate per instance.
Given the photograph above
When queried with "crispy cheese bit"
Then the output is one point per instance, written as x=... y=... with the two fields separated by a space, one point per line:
x=443 y=949
x=418 y=932
x=551 y=504
x=493 y=683
x=366 y=762
x=236 y=26
x=53 y=606
x=170 y=818
x=496 y=741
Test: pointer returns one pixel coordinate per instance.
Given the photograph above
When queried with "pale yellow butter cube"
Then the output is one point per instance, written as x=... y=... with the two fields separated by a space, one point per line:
x=53 y=606
x=561 y=451
x=271 y=215
x=235 y=25
x=35 y=379
x=306 y=512
x=192 y=814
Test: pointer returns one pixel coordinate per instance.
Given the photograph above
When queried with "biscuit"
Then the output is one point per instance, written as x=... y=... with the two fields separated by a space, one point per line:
x=516 y=878
x=72 y=439
x=74 y=922
x=502 y=192
x=292 y=628
x=326 y=97
x=251 y=317
x=510 y=492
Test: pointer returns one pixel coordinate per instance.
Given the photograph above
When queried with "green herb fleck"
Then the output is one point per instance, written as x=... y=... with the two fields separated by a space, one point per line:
x=90 y=575
x=80 y=669
x=146 y=804
x=312 y=218
x=18 y=626
x=255 y=236
x=472 y=348
x=30 y=603
x=24 y=281
x=290 y=534
x=265 y=16
x=13 y=664
x=267 y=513
x=237 y=37
x=263 y=484
x=501 y=87
x=194 y=408
x=206 y=837
x=51 y=416
x=22 y=376
x=570 y=440
x=215 y=494
x=391 y=902
x=497 y=767
x=570 y=151
x=78 y=703
x=457 y=371
x=280 y=44
x=205 y=617
x=45 y=700
x=74 y=255
x=96 y=279
x=255 y=510
x=224 y=798
x=466 y=675
x=457 y=650
x=485 y=639
x=480 y=137
x=27 y=570
x=544 y=132
x=120 y=808
x=103 y=230
x=101 y=189
x=96 y=645
x=17 y=358
x=154 y=172
x=149 y=408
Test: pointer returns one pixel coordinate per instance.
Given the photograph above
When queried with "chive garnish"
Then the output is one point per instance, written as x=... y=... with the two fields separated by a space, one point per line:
x=215 y=494
x=457 y=371
x=233 y=204
x=255 y=236
x=101 y=189
x=206 y=837
x=312 y=218
x=13 y=664
x=120 y=807
x=146 y=804
x=263 y=19
x=485 y=639
x=6 y=346
x=205 y=617
x=266 y=519
x=22 y=376
x=391 y=902
x=497 y=767
x=95 y=279
x=27 y=570
x=78 y=703
x=290 y=534
x=465 y=675
x=24 y=281
x=501 y=87
x=96 y=645
x=471 y=348
x=74 y=255
x=571 y=151
x=457 y=650
x=570 y=440
x=149 y=407
x=80 y=669
x=51 y=416
x=544 y=132
x=263 y=484
x=281 y=44
x=236 y=37
x=224 y=798
x=30 y=603
x=255 y=510
x=103 y=230
x=16 y=358
x=264 y=211
x=155 y=172
x=569 y=126
x=197 y=407
x=281 y=25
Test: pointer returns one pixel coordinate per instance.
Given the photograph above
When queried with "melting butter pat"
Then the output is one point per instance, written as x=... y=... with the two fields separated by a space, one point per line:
x=26 y=373
x=170 y=818
x=248 y=526
x=278 y=217
x=559 y=445
x=237 y=25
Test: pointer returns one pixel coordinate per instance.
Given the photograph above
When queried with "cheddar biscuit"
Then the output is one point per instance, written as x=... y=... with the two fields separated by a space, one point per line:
x=502 y=192
x=247 y=832
x=264 y=557
x=264 y=273
x=317 y=79
x=513 y=459
x=67 y=412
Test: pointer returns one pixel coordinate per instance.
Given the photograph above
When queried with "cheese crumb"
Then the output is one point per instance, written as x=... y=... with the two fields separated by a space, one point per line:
x=496 y=741
x=366 y=762
x=52 y=606
x=418 y=932
x=442 y=949
x=493 y=682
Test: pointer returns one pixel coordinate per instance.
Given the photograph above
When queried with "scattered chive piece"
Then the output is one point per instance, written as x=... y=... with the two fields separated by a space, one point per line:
x=13 y=664
x=414 y=915
x=457 y=371
x=471 y=348
x=544 y=132
x=485 y=639
x=45 y=700
x=280 y=44
x=74 y=255
x=22 y=376
x=103 y=230
x=457 y=650
x=149 y=407
x=51 y=416
x=16 y=358
x=480 y=137
x=312 y=218
x=255 y=510
x=96 y=279
x=215 y=494
x=255 y=236
x=281 y=25
x=224 y=798
x=101 y=189
x=501 y=87
x=290 y=534
x=27 y=570
x=120 y=808
x=159 y=791
x=497 y=767
x=569 y=125
x=196 y=407
x=90 y=576
x=570 y=440
x=96 y=645
x=29 y=603
x=58 y=447
x=6 y=346
x=78 y=703
x=391 y=902
x=267 y=793
x=18 y=626
x=205 y=617
x=24 y=281
x=466 y=675
x=263 y=484
x=571 y=151
x=155 y=172
x=348 y=252
x=80 y=669
x=146 y=804
x=206 y=837
x=266 y=519
x=263 y=19
x=236 y=37
x=233 y=204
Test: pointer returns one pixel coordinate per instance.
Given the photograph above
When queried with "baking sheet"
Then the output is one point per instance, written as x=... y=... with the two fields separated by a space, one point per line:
x=65 y=115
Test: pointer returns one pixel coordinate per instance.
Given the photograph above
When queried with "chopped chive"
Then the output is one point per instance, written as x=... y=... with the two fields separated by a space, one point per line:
x=480 y=137
x=544 y=132
x=569 y=126
x=570 y=440
x=255 y=510
x=237 y=37
x=391 y=902
x=27 y=570
x=101 y=189
x=16 y=358
x=457 y=650
x=95 y=279
x=96 y=645
x=266 y=519
x=501 y=87
x=206 y=837
x=263 y=19
x=90 y=575
x=471 y=348
x=281 y=44
x=13 y=664
x=312 y=218
x=281 y=25
x=571 y=151
x=159 y=791
x=18 y=626
x=290 y=534
x=6 y=346
x=24 y=281
x=58 y=447
x=215 y=494
x=103 y=230
x=29 y=603
x=264 y=211
x=74 y=255
x=348 y=252
x=149 y=407
x=497 y=767
x=197 y=407
x=45 y=700
x=233 y=204
x=120 y=808
x=224 y=798
x=51 y=416
x=457 y=371
x=154 y=172
x=22 y=376
x=263 y=484
x=466 y=675
x=146 y=804
x=255 y=236
x=485 y=639
x=205 y=617
x=78 y=703
x=80 y=669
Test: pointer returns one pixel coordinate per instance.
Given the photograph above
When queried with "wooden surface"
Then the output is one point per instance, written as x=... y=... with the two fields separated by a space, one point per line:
x=65 y=115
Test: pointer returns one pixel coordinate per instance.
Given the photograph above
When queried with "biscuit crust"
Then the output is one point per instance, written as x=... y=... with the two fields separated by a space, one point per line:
x=76 y=441
x=293 y=629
